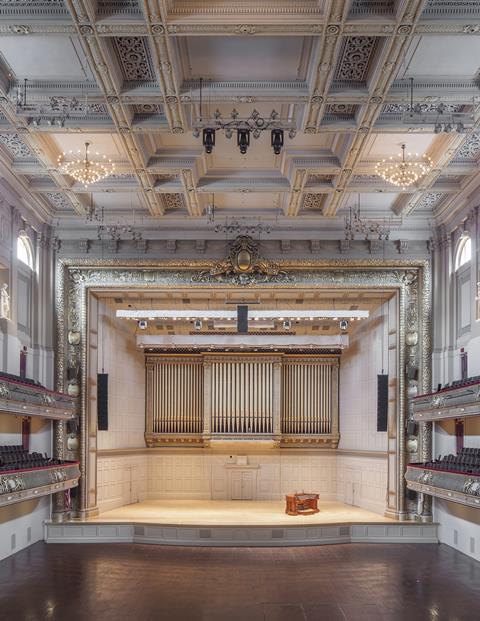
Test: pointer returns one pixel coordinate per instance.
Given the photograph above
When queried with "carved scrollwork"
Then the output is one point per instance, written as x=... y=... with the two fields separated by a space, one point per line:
x=4 y=391
x=86 y=30
x=11 y=483
x=134 y=58
x=356 y=57
x=243 y=266
x=246 y=29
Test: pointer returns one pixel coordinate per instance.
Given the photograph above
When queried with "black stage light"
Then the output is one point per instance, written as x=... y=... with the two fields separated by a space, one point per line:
x=343 y=324
x=243 y=140
x=142 y=324
x=208 y=139
x=277 y=140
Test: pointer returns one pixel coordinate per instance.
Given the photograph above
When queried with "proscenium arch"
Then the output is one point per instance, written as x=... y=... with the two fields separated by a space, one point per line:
x=79 y=279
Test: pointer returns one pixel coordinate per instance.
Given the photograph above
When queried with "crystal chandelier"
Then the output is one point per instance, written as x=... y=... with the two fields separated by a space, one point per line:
x=405 y=172
x=83 y=169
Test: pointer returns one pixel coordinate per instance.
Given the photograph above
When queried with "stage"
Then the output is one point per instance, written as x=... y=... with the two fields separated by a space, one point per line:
x=237 y=523
x=235 y=513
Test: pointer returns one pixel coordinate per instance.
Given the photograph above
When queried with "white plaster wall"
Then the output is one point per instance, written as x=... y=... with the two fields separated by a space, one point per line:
x=121 y=480
x=362 y=481
x=125 y=365
x=125 y=479
x=359 y=366
x=21 y=524
x=459 y=526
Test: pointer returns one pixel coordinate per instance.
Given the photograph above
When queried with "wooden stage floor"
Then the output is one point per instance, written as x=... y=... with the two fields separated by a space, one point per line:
x=235 y=513
x=237 y=523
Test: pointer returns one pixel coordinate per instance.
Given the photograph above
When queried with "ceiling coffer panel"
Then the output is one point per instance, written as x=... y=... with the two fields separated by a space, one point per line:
x=17 y=148
x=313 y=201
x=134 y=58
x=356 y=58
x=173 y=201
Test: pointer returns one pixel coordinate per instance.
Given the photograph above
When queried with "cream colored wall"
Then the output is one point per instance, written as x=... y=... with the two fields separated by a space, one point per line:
x=202 y=475
x=353 y=474
x=362 y=481
x=456 y=325
x=360 y=364
x=125 y=365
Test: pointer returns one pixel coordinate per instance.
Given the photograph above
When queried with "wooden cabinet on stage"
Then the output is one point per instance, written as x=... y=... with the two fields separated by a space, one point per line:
x=194 y=400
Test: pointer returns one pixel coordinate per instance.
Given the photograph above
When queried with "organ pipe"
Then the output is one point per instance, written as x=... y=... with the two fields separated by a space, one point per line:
x=308 y=403
x=229 y=394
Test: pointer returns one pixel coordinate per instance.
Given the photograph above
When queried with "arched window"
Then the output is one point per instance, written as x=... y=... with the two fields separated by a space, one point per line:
x=464 y=252
x=24 y=251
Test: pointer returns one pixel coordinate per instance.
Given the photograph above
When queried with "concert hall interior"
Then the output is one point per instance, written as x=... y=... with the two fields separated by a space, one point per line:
x=239 y=310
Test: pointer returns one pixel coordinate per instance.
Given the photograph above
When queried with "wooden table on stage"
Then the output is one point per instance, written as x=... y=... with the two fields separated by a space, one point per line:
x=301 y=504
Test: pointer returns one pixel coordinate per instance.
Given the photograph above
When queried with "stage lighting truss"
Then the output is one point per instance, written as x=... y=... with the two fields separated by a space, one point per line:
x=245 y=128
x=443 y=118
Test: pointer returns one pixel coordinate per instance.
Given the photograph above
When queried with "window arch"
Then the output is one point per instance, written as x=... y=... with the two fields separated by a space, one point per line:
x=25 y=251
x=464 y=252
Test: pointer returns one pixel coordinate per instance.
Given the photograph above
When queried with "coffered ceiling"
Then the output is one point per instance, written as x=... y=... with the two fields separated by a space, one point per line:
x=339 y=69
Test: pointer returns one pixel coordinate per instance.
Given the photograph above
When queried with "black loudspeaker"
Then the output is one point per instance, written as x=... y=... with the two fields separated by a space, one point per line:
x=382 y=402
x=411 y=427
x=102 y=401
x=242 y=319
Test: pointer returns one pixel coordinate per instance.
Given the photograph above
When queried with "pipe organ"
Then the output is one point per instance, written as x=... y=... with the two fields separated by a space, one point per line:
x=199 y=398
x=242 y=396
x=307 y=398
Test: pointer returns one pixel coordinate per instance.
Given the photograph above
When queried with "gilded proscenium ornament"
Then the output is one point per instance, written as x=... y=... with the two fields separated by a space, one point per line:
x=75 y=278
x=243 y=266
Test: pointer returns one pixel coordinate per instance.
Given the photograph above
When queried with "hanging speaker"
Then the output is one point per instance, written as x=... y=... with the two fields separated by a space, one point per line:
x=102 y=402
x=382 y=402
x=242 y=319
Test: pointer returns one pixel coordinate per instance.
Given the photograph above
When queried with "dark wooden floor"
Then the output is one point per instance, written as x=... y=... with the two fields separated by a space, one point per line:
x=151 y=583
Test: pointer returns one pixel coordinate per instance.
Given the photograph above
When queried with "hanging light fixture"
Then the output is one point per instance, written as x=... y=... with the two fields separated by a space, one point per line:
x=405 y=172
x=444 y=117
x=246 y=127
x=83 y=169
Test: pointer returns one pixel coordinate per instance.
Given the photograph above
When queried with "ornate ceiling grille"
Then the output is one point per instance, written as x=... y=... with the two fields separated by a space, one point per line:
x=355 y=58
x=134 y=58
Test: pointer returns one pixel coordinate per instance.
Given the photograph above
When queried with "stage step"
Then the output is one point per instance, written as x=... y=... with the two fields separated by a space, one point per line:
x=239 y=536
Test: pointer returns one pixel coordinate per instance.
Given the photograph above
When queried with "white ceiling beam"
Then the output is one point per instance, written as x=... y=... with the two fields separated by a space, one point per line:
x=206 y=314
x=445 y=149
x=246 y=340
x=388 y=60
x=109 y=79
